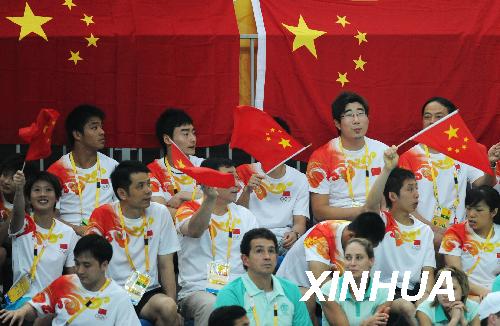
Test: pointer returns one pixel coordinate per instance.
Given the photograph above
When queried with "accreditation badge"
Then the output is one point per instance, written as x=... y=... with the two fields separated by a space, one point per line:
x=356 y=203
x=217 y=276
x=18 y=290
x=136 y=285
x=441 y=216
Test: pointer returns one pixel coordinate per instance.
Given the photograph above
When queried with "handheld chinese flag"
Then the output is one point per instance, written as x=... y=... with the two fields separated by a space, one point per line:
x=39 y=134
x=258 y=134
x=180 y=159
x=451 y=137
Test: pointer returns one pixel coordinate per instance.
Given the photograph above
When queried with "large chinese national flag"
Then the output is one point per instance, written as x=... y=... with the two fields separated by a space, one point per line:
x=131 y=58
x=396 y=53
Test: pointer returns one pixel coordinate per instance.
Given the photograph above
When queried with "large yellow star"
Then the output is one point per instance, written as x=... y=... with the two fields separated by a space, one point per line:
x=30 y=23
x=180 y=164
x=92 y=40
x=304 y=36
x=69 y=4
x=342 y=78
x=342 y=21
x=87 y=19
x=361 y=37
x=75 y=57
x=452 y=132
x=359 y=63
x=285 y=143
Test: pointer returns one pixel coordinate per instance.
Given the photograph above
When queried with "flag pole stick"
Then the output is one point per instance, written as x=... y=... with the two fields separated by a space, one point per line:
x=24 y=164
x=428 y=127
x=294 y=154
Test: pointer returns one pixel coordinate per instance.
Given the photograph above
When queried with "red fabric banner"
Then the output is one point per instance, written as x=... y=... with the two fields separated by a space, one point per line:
x=39 y=134
x=131 y=58
x=395 y=53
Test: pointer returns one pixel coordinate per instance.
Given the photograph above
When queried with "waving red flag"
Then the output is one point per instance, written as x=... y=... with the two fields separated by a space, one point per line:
x=451 y=137
x=210 y=177
x=39 y=134
x=258 y=134
x=180 y=159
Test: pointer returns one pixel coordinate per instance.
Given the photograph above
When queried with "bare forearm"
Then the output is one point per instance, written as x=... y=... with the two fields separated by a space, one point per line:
x=167 y=276
x=299 y=224
x=324 y=212
x=244 y=199
x=17 y=220
x=201 y=218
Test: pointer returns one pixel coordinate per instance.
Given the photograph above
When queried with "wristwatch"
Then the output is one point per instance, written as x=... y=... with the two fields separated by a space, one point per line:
x=493 y=165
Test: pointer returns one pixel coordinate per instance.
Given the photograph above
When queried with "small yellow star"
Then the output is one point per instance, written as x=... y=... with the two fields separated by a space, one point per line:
x=69 y=4
x=285 y=143
x=304 y=36
x=272 y=129
x=359 y=63
x=342 y=78
x=361 y=37
x=457 y=151
x=267 y=134
x=450 y=149
x=466 y=139
x=180 y=164
x=30 y=23
x=87 y=19
x=342 y=21
x=268 y=138
x=279 y=131
x=92 y=40
x=452 y=132
x=75 y=57
x=464 y=146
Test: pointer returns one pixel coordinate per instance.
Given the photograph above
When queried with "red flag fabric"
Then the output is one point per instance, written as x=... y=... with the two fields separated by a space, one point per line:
x=210 y=177
x=131 y=58
x=451 y=137
x=39 y=134
x=397 y=54
x=180 y=159
x=259 y=135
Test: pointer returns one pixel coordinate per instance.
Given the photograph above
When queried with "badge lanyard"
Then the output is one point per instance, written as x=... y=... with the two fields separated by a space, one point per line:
x=230 y=228
x=348 y=173
x=171 y=176
x=88 y=303
x=98 y=185
x=38 y=254
x=146 y=240
x=435 y=187
x=256 y=315
x=479 y=253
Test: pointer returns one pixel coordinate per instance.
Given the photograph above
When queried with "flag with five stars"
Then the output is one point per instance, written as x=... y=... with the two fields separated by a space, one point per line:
x=451 y=137
x=39 y=134
x=259 y=135
x=130 y=58
x=396 y=54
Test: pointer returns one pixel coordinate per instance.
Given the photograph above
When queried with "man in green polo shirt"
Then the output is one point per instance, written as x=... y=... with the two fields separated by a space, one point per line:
x=268 y=300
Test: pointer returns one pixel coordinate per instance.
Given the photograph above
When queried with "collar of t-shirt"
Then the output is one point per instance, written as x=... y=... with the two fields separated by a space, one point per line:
x=259 y=170
x=349 y=295
x=253 y=290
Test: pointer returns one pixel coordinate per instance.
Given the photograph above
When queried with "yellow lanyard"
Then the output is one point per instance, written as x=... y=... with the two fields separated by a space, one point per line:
x=230 y=228
x=478 y=254
x=98 y=185
x=170 y=174
x=146 y=239
x=348 y=173
x=88 y=303
x=38 y=255
x=256 y=315
x=456 y=202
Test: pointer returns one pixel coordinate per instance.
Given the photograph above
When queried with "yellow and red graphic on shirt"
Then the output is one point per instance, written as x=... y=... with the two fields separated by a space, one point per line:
x=329 y=163
x=245 y=172
x=30 y=227
x=160 y=173
x=458 y=236
x=63 y=293
x=416 y=162
x=106 y=222
x=68 y=179
x=4 y=211
x=322 y=240
x=394 y=232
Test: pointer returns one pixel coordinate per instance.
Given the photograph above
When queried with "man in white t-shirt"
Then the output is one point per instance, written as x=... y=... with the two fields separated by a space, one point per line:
x=341 y=172
x=442 y=181
x=84 y=172
x=85 y=298
x=211 y=233
x=171 y=186
x=144 y=241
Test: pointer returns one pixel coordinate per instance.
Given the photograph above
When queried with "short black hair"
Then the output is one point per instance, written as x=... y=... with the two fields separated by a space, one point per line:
x=395 y=182
x=170 y=119
x=282 y=124
x=14 y=163
x=215 y=163
x=120 y=177
x=369 y=226
x=397 y=319
x=43 y=176
x=344 y=98
x=487 y=193
x=225 y=316
x=257 y=233
x=96 y=245
x=441 y=100
x=76 y=119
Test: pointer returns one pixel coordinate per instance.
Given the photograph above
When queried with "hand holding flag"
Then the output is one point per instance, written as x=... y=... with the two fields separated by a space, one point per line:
x=39 y=134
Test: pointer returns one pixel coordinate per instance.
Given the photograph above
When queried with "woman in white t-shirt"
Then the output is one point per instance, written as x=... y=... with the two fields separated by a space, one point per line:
x=474 y=245
x=42 y=247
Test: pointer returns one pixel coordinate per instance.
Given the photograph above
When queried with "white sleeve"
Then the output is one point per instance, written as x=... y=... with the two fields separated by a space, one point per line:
x=70 y=258
x=430 y=256
x=126 y=315
x=169 y=243
x=301 y=206
x=473 y=173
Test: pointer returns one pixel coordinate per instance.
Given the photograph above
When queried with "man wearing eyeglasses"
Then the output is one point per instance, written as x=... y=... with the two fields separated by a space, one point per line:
x=341 y=172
